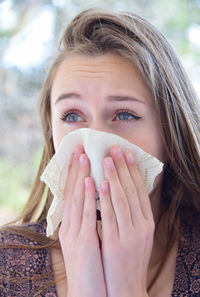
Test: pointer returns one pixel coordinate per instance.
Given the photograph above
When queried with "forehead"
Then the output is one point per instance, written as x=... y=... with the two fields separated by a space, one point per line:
x=107 y=63
x=92 y=64
x=110 y=72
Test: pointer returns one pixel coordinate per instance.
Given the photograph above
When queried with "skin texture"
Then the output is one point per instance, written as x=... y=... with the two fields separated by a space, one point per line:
x=84 y=87
x=94 y=80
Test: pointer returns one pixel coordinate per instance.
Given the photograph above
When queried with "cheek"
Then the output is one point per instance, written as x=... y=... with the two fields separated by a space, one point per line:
x=156 y=148
x=153 y=141
x=149 y=142
x=58 y=132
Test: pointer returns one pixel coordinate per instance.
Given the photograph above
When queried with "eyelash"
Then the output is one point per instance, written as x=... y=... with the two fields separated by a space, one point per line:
x=65 y=114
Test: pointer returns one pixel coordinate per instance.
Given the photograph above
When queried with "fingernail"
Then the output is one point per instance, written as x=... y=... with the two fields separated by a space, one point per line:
x=104 y=186
x=117 y=152
x=129 y=157
x=77 y=153
x=109 y=163
x=87 y=182
x=82 y=160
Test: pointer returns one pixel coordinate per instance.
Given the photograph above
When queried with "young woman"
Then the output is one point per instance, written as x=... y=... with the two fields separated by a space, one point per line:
x=115 y=73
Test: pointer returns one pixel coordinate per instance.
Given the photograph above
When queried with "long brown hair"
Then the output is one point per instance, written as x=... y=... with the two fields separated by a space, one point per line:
x=95 y=32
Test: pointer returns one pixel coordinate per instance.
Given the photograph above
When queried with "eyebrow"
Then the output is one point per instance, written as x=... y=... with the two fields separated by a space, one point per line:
x=110 y=98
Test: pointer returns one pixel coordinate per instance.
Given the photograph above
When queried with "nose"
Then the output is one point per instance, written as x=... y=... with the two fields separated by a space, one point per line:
x=100 y=125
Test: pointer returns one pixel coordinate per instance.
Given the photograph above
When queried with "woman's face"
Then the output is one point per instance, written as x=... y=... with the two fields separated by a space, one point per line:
x=105 y=93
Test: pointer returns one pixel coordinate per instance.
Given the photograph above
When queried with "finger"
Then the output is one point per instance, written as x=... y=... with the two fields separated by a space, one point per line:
x=89 y=219
x=127 y=183
x=73 y=169
x=70 y=182
x=109 y=223
x=140 y=185
x=119 y=201
x=78 y=195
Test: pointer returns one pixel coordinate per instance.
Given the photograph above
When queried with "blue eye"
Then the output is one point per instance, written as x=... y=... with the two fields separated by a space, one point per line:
x=127 y=116
x=72 y=116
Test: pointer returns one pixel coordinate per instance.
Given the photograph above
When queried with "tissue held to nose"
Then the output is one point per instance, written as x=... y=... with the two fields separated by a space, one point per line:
x=55 y=173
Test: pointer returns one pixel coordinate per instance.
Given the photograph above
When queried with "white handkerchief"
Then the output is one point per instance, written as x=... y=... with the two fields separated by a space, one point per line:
x=96 y=145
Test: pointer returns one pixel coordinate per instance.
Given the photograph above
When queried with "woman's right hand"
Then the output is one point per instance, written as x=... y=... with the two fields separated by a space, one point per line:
x=77 y=234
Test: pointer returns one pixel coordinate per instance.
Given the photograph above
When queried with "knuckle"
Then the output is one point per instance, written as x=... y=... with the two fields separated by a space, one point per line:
x=86 y=214
x=151 y=225
x=83 y=162
x=141 y=186
x=75 y=201
x=122 y=203
x=85 y=238
x=127 y=189
x=146 y=229
x=111 y=217
x=142 y=236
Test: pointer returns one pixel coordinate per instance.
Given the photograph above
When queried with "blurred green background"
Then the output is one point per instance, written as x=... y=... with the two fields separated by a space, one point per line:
x=29 y=34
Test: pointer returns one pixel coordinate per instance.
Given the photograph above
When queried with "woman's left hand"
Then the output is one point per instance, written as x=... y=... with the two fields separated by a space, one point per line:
x=127 y=227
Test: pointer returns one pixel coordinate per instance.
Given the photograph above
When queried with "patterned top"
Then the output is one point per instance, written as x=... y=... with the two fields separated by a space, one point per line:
x=20 y=269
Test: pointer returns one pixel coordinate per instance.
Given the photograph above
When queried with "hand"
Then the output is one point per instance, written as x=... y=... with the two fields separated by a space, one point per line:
x=127 y=227
x=78 y=235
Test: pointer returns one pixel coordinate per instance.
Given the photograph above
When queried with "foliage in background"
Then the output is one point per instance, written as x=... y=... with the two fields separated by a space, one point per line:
x=15 y=184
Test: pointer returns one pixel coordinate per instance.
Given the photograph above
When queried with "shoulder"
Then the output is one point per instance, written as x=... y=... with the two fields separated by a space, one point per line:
x=19 y=264
x=17 y=255
x=18 y=236
x=17 y=247
x=190 y=229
